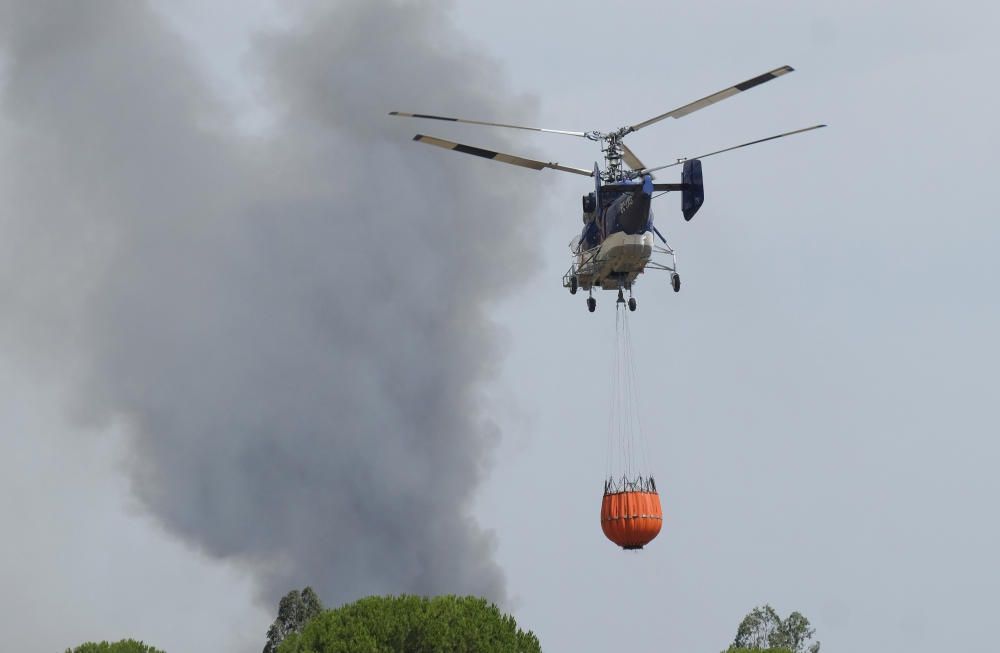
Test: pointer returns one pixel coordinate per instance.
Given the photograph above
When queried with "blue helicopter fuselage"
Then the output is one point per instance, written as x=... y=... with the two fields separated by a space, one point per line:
x=618 y=207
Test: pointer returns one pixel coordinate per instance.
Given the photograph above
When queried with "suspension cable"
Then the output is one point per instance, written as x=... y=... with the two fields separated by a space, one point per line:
x=627 y=450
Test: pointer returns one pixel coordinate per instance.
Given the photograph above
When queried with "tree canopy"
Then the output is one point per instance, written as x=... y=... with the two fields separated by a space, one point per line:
x=764 y=631
x=294 y=611
x=124 y=646
x=414 y=624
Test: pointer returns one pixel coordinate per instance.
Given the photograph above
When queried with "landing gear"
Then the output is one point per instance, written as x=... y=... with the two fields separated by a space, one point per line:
x=631 y=300
x=573 y=285
x=591 y=304
x=675 y=281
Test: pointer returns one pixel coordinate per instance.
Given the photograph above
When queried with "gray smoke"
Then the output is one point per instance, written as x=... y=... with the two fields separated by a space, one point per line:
x=292 y=328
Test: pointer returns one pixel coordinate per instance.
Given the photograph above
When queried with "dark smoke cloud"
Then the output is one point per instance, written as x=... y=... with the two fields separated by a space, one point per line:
x=293 y=328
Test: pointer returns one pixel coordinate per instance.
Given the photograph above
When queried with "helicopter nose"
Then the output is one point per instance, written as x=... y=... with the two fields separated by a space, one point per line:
x=631 y=223
x=634 y=214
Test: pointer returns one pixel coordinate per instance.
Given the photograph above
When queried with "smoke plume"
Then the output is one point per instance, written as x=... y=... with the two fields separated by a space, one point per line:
x=291 y=327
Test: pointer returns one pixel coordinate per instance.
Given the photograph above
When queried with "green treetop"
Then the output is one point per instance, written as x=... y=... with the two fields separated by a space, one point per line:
x=124 y=646
x=294 y=611
x=763 y=631
x=414 y=624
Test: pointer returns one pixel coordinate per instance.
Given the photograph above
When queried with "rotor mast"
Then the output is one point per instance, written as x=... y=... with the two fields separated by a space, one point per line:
x=613 y=150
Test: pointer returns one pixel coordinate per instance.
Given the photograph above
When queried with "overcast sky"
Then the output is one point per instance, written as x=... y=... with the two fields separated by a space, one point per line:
x=819 y=399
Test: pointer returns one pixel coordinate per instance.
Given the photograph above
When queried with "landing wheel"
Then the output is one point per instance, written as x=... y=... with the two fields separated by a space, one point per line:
x=631 y=303
x=675 y=281
x=573 y=285
x=591 y=304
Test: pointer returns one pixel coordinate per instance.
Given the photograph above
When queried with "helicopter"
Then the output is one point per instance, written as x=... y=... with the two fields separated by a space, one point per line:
x=617 y=242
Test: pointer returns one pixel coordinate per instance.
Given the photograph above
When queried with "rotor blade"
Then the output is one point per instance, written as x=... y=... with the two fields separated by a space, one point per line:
x=499 y=156
x=631 y=160
x=403 y=114
x=715 y=97
x=735 y=147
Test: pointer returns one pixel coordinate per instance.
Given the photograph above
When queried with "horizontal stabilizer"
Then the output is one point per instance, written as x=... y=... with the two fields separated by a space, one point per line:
x=635 y=188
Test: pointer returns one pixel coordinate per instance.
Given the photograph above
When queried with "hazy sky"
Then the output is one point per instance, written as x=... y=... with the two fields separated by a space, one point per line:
x=819 y=399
